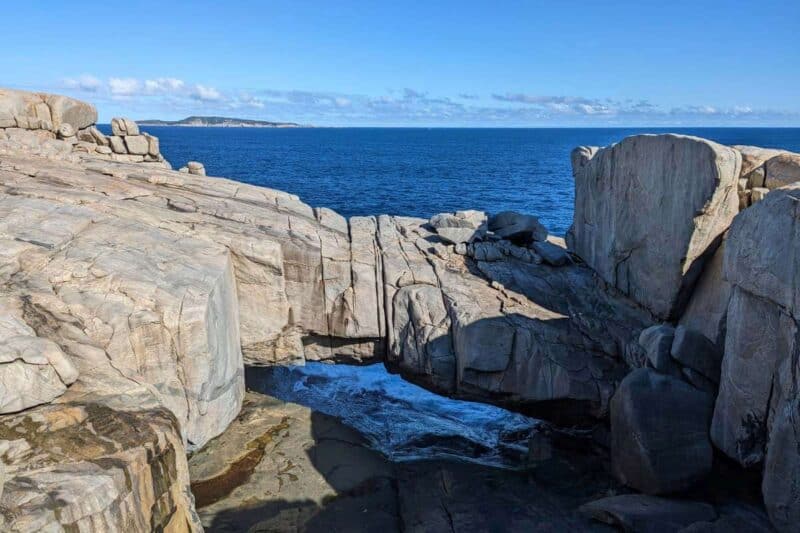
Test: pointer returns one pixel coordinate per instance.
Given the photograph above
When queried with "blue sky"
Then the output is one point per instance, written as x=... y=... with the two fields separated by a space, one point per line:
x=435 y=63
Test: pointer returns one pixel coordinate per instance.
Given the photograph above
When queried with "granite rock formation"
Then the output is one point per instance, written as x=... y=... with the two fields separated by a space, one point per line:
x=650 y=210
x=133 y=296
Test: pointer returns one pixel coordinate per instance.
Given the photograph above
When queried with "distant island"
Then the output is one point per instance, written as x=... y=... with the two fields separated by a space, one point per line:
x=219 y=122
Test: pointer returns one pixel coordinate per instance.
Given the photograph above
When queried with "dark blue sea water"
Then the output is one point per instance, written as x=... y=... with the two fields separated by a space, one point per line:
x=417 y=171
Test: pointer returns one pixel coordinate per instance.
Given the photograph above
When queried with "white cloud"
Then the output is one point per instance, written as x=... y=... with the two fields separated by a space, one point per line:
x=206 y=94
x=84 y=82
x=124 y=86
x=163 y=85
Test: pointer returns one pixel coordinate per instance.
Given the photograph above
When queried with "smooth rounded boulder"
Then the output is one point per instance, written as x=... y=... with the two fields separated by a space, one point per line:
x=659 y=433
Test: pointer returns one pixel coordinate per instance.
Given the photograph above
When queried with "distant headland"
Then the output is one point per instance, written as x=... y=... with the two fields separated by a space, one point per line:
x=219 y=122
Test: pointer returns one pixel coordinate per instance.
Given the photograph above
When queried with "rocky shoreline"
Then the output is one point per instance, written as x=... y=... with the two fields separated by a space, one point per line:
x=662 y=333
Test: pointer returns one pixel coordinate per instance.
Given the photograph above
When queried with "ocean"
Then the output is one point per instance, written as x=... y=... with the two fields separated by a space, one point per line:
x=419 y=171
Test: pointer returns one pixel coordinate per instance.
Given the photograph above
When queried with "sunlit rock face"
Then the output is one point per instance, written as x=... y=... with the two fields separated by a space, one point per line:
x=85 y=466
x=648 y=212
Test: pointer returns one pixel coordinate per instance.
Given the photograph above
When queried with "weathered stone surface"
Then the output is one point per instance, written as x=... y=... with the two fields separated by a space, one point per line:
x=43 y=111
x=758 y=194
x=756 y=408
x=759 y=336
x=760 y=253
x=460 y=219
x=85 y=466
x=534 y=333
x=782 y=464
x=117 y=144
x=649 y=210
x=33 y=370
x=172 y=323
x=781 y=170
x=659 y=433
x=65 y=110
x=124 y=126
x=66 y=131
x=137 y=144
x=648 y=514
x=153 y=147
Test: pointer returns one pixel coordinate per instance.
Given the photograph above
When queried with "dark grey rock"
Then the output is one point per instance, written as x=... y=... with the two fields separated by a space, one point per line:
x=694 y=350
x=518 y=228
x=659 y=433
x=657 y=342
x=551 y=254
x=648 y=514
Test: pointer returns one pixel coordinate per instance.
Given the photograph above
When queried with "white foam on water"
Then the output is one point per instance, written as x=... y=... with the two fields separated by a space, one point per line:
x=401 y=420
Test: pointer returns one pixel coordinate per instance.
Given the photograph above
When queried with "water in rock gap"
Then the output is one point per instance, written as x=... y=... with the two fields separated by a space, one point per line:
x=399 y=419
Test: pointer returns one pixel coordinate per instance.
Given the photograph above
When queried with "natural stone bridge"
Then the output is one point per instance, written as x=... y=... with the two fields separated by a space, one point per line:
x=133 y=296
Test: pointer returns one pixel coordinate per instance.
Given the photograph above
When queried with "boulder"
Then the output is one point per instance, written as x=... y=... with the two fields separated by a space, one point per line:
x=659 y=433
x=15 y=104
x=459 y=227
x=759 y=336
x=137 y=144
x=517 y=228
x=650 y=210
x=460 y=219
x=65 y=110
x=657 y=342
x=782 y=170
x=648 y=514
x=694 y=350
x=193 y=167
x=153 y=147
x=117 y=144
x=753 y=159
x=552 y=254
x=124 y=126
x=66 y=131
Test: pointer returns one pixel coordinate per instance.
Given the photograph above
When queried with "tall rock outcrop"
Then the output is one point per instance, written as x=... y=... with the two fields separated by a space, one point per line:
x=757 y=414
x=650 y=210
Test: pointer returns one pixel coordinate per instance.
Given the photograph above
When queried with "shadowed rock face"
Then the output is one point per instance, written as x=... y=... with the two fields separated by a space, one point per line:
x=502 y=328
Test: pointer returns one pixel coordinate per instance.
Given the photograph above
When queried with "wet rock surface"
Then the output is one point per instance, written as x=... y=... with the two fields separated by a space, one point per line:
x=315 y=474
